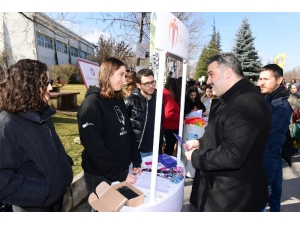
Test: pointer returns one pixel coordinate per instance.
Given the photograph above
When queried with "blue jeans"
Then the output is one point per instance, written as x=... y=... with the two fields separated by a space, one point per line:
x=144 y=154
x=275 y=189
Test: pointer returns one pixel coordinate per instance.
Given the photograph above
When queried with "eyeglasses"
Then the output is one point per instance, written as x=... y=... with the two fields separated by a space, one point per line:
x=147 y=84
x=48 y=82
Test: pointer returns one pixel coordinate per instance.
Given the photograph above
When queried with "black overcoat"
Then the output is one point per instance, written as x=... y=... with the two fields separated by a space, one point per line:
x=230 y=174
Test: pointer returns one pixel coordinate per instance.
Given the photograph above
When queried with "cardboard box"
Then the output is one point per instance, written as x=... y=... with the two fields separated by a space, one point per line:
x=108 y=199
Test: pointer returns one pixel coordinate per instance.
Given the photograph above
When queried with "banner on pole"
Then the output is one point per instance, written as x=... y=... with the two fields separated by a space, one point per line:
x=280 y=60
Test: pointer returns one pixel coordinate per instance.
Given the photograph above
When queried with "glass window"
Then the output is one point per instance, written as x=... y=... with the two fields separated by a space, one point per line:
x=82 y=55
x=74 y=51
x=44 y=41
x=61 y=47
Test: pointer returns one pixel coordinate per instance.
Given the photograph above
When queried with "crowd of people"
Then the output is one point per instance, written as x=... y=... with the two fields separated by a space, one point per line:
x=116 y=127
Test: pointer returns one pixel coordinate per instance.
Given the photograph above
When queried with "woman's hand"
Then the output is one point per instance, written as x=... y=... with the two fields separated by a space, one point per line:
x=136 y=170
x=205 y=113
x=131 y=178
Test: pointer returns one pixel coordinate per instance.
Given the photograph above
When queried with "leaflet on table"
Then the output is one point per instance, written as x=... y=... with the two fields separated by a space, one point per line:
x=144 y=181
x=159 y=165
x=158 y=195
x=197 y=113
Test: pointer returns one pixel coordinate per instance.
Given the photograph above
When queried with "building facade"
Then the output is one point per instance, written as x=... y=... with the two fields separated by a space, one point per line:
x=37 y=36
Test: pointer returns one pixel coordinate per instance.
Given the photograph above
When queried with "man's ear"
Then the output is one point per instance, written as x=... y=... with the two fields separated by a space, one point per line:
x=138 y=85
x=228 y=72
x=279 y=80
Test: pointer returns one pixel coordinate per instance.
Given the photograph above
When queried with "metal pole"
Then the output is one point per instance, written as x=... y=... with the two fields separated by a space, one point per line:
x=157 y=125
x=182 y=102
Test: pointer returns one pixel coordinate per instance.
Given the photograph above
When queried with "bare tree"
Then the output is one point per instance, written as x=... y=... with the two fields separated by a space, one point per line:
x=135 y=27
x=3 y=60
x=292 y=74
x=109 y=47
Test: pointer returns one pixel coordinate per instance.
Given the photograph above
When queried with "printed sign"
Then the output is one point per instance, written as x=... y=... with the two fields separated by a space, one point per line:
x=171 y=35
x=142 y=50
x=89 y=72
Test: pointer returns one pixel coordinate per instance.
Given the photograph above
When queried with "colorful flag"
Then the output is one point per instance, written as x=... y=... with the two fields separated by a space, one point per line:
x=280 y=60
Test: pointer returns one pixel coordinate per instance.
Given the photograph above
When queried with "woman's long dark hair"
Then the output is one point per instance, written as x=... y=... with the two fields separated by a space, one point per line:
x=191 y=90
x=24 y=87
x=174 y=86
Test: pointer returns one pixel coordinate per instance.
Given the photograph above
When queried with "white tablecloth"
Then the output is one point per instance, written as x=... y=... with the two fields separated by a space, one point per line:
x=190 y=132
x=165 y=202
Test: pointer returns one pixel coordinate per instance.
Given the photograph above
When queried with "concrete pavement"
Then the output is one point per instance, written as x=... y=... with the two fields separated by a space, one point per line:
x=290 y=199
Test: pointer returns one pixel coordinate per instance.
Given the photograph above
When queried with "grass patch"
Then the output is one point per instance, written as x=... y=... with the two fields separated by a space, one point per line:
x=66 y=126
x=67 y=129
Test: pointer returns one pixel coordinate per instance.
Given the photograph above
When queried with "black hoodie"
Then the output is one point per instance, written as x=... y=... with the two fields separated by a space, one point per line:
x=107 y=136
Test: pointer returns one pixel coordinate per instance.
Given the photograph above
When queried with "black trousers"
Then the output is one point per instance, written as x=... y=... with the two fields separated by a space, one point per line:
x=92 y=181
x=170 y=141
x=56 y=207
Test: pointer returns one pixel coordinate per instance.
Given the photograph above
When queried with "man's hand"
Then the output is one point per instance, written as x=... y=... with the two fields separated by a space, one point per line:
x=192 y=145
x=188 y=154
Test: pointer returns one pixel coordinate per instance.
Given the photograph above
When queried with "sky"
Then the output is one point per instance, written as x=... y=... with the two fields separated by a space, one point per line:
x=274 y=32
x=274 y=24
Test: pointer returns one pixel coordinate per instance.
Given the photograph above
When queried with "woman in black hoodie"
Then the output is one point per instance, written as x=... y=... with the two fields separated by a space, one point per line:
x=105 y=130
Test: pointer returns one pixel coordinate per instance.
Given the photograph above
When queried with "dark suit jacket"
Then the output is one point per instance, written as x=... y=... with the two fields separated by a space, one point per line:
x=230 y=174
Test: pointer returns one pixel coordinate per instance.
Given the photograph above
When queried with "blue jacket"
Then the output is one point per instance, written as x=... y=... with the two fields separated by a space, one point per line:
x=281 y=114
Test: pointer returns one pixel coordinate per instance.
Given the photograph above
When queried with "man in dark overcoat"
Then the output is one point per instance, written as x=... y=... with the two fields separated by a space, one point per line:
x=228 y=158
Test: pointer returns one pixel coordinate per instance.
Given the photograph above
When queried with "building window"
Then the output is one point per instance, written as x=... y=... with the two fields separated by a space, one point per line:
x=61 y=47
x=83 y=55
x=74 y=51
x=44 y=41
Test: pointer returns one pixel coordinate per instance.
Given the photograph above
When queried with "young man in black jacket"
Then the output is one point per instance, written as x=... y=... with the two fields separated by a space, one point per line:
x=141 y=111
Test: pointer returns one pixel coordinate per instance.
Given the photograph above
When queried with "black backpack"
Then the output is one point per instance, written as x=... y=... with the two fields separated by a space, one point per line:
x=287 y=148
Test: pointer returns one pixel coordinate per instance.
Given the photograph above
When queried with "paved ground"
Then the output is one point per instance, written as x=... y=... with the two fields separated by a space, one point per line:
x=290 y=200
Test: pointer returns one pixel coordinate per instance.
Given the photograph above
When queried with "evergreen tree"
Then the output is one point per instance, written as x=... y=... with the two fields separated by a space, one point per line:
x=245 y=51
x=201 y=68
x=213 y=48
